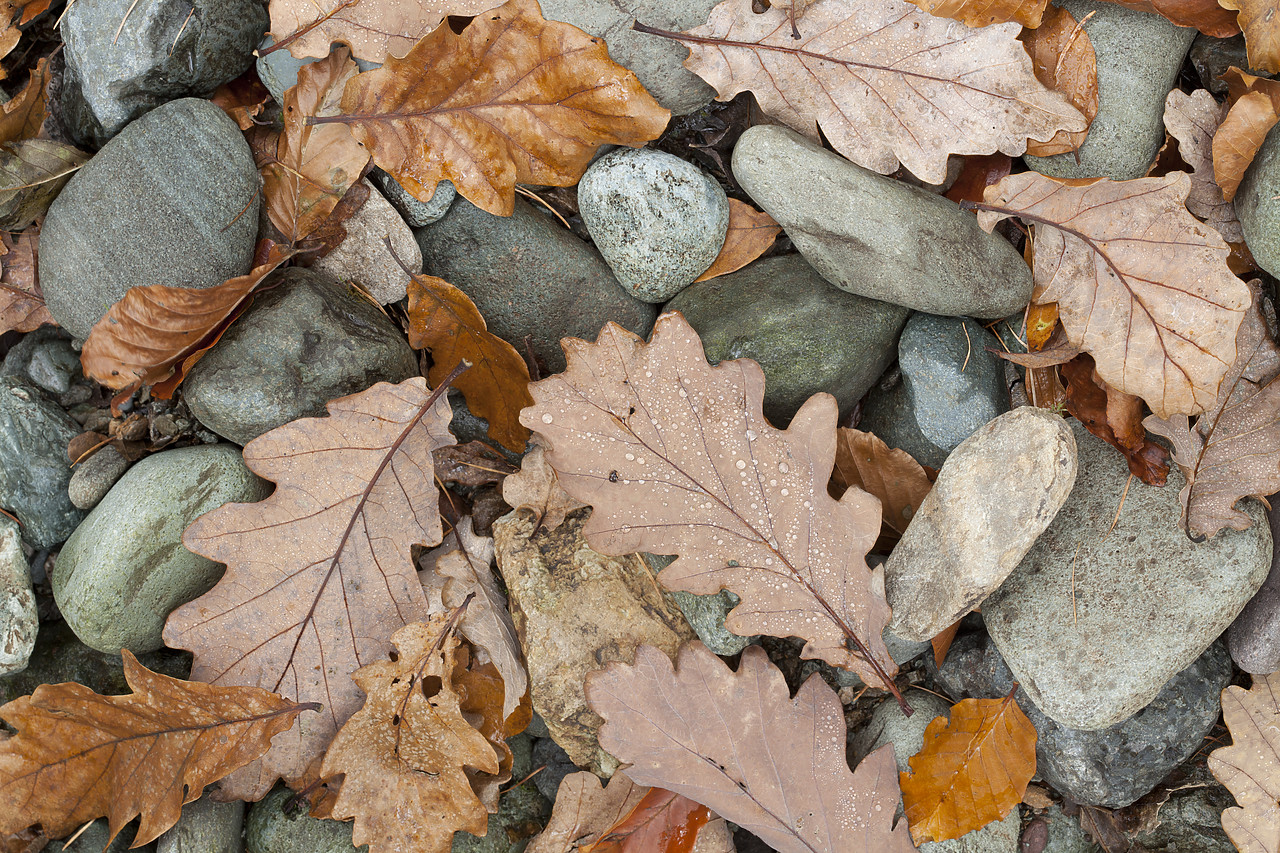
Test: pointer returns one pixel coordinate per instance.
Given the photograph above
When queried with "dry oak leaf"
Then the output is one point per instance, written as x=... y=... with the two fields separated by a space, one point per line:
x=740 y=745
x=973 y=769
x=891 y=475
x=886 y=83
x=1141 y=284
x=373 y=28
x=78 y=755
x=1062 y=55
x=404 y=753
x=320 y=574
x=1115 y=418
x=676 y=457
x=1204 y=15
x=536 y=488
x=513 y=99
x=751 y=233
x=1193 y=120
x=1255 y=109
x=978 y=172
x=984 y=13
x=22 y=307
x=1259 y=20
x=1250 y=767
x=24 y=115
x=444 y=320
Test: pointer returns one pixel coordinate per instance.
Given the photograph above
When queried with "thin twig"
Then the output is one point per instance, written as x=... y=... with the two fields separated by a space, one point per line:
x=181 y=30
x=79 y=832
x=1123 y=495
x=969 y=343
x=541 y=201
x=1071 y=39
x=120 y=28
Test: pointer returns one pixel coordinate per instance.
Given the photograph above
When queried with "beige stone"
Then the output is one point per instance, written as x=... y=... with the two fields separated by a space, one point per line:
x=363 y=258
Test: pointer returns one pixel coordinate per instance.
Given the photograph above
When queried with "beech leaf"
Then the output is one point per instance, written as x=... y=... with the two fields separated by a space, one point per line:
x=1193 y=120
x=32 y=173
x=751 y=232
x=1260 y=23
x=1062 y=55
x=1115 y=418
x=740 y=745
x=973 y=769
x=1255 y=109
x=886 y=83
x=78 y=755
x=676 y=457
x=1250 y=767
x=891 y=475
x=22 y=307
x=513 y=99
x=1141 y=284
x=536 y=488
x=354 y=493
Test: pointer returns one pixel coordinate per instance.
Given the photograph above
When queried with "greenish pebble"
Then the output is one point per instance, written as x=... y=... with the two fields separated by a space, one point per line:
x=206 y=827
x=522 y=813
x=270 y=829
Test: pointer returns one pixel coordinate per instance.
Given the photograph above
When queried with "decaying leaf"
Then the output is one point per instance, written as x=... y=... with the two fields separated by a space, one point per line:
x=444 y=320
x=891 y=475
x=661 y=822
x=984 y=13
x=1204 y=15
x=354 y=492
x=24 y=115
x=1250 y=767
x=1062 y=55
x=886 y=83
x=676 y=457
x=32 y=173
x=480 y=691
x=472 y=464
x=751 y=233
x=1193 y=120
x=973 y=769
x=14 y=14
x=585 y=810
x=1114 y=417
x=537 y=489
x=1255 y=109
x=513 y=99
x=78 y=755
x=404 y=752
x=1259 y=20
x=243 y=99
x=22 y=307
x=1141 y=284
x=978 y=172
x=740 y=745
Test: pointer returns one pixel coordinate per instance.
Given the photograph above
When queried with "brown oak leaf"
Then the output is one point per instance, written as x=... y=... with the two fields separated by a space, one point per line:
x=32 y=173
x=1114 y=417
x=536 y=488
x=891 y=475
x=1204 y=15
x=751 y=233
x=1193 y=120
x=984 y=13
x=1255 y=109
x=24 y=115
x=1063 y=57
x=1250 y=767
x=1259 y=20
x=22 y=307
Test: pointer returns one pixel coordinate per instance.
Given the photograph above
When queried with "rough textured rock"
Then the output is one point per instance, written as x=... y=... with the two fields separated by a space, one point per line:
x=1213 y=56
x=996 y=493
x=362 y=257
x=19 y=621
x=657 y=220
x=806 y=335
x=419 y=214
x=306 y=341
x=125 y=568
x=576 y=611
x=125 y=58
x=522 y=812
x=44 y=358
x=206 y=827
x=550 y=755
x=34 y=471
x=1139 y=54
x=1254 y=637
x=530 y=277
x=1093 y=623
x=172 y=199
x=95 y=476
x=1063 y=833
x=270 y=829
x=878 y=237
x=705 y=613
x=1258 y=204
x=1191 y=820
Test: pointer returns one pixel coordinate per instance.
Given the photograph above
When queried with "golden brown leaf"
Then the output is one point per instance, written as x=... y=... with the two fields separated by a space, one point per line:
x=243 y=99
x=405 y=752
x=973 y=769
x=1193 y=120
x=984 y=13
x=1255 y=109
x=22 y=307
x=751 y=233
x=886 y=84
x=78 y=755
x=24 y=115
x=740 y=745
x=536 y=488
x=1250 y=767
x=444 y=320
x=942 y=643
x=354 y=493
x=676 y=457
x=1204 y=15
x=1115 y=418
x=15 y=14
x=891 y=475
x=1064 y=61
x=1259 y=20
x=513 y=99
x=1141 y=284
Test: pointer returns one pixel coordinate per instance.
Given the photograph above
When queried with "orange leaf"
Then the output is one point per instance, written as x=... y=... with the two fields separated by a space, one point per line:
x=22 y=306
x=972 y=770
x=662 y=822
x=24 y=115
x=1042 y=319
x=751 y=233
x=1255 y=109
x=897 y=480
x=984 y=13
x=78 y=755
x=243 y=98
x=979 y=172
x=942 y=643
x=1064 y=60
x=1204 y=15
x=1260 y=22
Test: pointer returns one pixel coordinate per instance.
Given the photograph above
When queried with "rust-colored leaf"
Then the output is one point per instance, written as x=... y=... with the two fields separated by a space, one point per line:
x=1259 y=20
x=354 y=493
x=23 y=116
x=242 y=98
x=979 y=172
x=662 y=822
x=1250 y=767
x=1064 y=61
x=513 y=99
x=891 y=475
x=887 y=85
x=1255 y=109
x=22 y=307
x=941 y=644
x=740 y=745
x=1204 y=15
x=536 y=488
x=676 y=457
x=973 y=769
x=444 y=320
x=78 y=755
x=984 y=13
x=1193 y=120
x=751 y=233
x=1141 y=284
x=1115 y=418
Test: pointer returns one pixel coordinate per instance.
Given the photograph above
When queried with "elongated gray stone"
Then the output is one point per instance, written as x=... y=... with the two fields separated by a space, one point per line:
x=34 y=469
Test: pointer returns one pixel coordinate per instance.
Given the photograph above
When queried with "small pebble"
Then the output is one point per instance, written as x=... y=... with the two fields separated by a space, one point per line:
x=95 y=476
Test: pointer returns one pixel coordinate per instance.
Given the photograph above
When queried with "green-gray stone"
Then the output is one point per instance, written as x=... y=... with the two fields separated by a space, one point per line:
x=172 y=200
x=522 y=813
x=705 y=613
x=34 y=470
x=94 y=840
x=1139 y=55
x=206 y=827
x=530 y=277
x=1065 y=834
x=125 y=568
x=806 y=335
x=270 y=829
x=1258 y=204
x=305 y=341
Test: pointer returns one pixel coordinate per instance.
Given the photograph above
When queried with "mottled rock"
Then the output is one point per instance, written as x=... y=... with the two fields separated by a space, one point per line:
x=1258 y=204
x=95 y=476
x=1254 y=636
x=34 y=471
x=271 y=829
x=362 y=257
x=419 y=214
x=550 y=755
x=94 y=840
x=878 y=237
x=522 y=812
x=19 y=621
x=1213 y=56
x=1191 y=819
x=44 y=358
x=206 y=827
x=1063 y=833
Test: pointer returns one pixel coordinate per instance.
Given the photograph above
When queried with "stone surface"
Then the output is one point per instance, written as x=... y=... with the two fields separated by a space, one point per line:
x=1097 y=618
x=1191 y=820
x=172 y=199
x=418 y=214
x=805 y=334
x=125 y=568
x=657 y=220
x=704 y=613
x=1063 y=833
x=269 y=829
x=1213 y=56
x=530 y=277
x=94 y=840
x=19 y=621
x=1254 y=636
x=34 y=470
x=878 y=237
x=557 y=763
x=1258 y=204
x=996 y=493
x=44 y=358
x=206 y=827
x=1115 y=766
x=95 y=476
x=306 y=341
x=522 y=812
x=1139 y=54
x=362 y=257
x=998 y=837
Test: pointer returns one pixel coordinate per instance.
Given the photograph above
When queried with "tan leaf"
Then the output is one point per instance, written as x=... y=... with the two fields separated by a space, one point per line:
x=1204 y=15
x=24 y=115
x=444 y=320
x=1255 y=109
x=661 y=822
x=1193 y=120
x=1063 y=58
x=751 y=233
x=740 y=745
x=514 y=99
x=536 y=488
x=891 y=475
x=973 y=769
x=403 y=754
x=78 y=755
x=243 y=99
x=886 y=83
x=1250 y=767
x=1259 y=20
x=585 y=810
x=22 y=307
x=676 y=457
x=1115 y=418
x=1141 y=284
x=984 y=13
x=354 y=493
x=32 y=173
